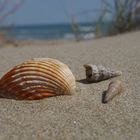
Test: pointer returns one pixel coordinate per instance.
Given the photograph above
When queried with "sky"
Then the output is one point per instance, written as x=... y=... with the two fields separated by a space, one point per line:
x=52 y=11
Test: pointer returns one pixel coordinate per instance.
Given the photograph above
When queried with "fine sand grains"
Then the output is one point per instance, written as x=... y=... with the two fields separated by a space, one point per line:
x=82 y=115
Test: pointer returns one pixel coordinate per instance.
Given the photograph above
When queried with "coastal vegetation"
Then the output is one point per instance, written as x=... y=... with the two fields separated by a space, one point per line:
x=124 y=16
x=4 y=14
x=113 y=17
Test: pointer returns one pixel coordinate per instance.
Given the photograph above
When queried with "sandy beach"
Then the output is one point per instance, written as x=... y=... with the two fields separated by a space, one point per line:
x=81 y=116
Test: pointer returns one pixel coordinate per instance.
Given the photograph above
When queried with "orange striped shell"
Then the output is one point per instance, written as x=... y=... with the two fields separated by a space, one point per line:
x=36 y=79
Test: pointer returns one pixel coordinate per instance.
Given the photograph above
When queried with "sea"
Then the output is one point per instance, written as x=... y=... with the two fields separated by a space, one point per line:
x=50 y=31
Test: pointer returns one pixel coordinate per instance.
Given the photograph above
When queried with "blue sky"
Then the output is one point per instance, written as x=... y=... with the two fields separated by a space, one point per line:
x=52 y=11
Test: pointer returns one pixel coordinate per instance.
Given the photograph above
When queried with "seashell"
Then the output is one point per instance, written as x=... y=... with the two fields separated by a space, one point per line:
x=36 y=79
x=99 y=73
x=114 y=88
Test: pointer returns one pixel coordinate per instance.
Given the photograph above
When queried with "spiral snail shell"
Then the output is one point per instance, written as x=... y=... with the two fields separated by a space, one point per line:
x=114 y=89
x=36 y=79
x=96 y=73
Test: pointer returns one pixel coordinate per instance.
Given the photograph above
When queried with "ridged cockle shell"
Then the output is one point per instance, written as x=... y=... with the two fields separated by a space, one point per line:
x=36 y=79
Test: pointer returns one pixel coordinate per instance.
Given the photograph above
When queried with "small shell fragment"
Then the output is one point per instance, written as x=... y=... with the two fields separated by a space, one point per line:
x=96 y=73
x=114 y=88
x=36 y=79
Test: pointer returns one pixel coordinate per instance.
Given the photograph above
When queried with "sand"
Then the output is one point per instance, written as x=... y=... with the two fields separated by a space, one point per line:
x=81 y=116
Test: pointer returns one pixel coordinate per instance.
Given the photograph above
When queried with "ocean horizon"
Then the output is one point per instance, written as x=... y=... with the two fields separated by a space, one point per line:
x=84 y=31
x=49 y=31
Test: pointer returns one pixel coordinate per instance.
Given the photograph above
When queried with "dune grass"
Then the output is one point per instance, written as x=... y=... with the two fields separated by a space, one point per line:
x=124 y=16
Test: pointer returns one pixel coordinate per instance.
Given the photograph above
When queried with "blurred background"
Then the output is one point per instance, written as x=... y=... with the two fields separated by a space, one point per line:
x=66 y=19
